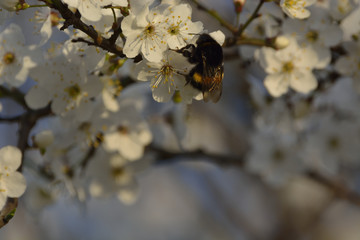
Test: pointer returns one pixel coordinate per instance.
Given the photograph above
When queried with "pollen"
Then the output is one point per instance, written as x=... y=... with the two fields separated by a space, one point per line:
x=9 y=58
x=288 y=67
x=73 y=91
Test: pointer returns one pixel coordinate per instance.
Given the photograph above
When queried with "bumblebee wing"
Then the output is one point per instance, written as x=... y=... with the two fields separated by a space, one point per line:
x=212 y=84
x=213 y=95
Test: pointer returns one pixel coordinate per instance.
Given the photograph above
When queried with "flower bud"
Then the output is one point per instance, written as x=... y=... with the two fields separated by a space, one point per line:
x=238 y=4
x=44 y=139
x=281 y=42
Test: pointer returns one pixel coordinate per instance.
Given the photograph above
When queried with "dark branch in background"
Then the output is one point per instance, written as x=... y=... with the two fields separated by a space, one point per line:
x=26 y=122
x=165 y=157
x=214 y=14
x=339 y=190
x=10 y=119
x=73 y=19
x=13 y=94
x=238 y=38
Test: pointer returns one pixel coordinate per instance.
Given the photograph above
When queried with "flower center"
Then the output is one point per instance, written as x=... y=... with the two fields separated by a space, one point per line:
x=73 y=91
x=312 y=36
x=333 y=142
x=173 y=30
x=54 y=18
x=9 y=58
x=123 y=130
x=149 y=30
x=278 y=156
x=288 y=67
x=117 y=172
x=167 y=71
x=290 y=3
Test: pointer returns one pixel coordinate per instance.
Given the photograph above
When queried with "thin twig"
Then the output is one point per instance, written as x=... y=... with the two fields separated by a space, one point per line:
x=253 y=16
x=215 y=14
x=73 y=19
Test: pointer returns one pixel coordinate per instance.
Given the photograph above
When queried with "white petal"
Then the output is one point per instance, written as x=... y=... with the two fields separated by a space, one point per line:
x=10 y=159
x=37 y=97
x=132 y=46
x=303 y=81
x=277 y=84
x=3 y=199
x=14 y=183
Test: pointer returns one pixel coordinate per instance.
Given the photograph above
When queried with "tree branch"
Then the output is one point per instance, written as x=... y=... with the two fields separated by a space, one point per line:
x=340 y=190
x=73 y=19
x=26 y=122
x=213 y=13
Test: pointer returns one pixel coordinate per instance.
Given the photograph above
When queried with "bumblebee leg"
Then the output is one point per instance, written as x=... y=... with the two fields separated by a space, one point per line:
x=187 y=52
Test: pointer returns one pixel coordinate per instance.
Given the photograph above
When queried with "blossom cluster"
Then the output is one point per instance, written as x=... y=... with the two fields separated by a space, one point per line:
x=88 y=77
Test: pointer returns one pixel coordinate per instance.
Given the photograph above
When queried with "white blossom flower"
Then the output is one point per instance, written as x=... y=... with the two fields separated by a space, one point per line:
x=45 y=20
x=12 y=182
x=341 y=8
x=319 y=32
x=165 y=76
x=274 y=156
x=15 y=58
x=288 y=67
x=129 y=134
x=91 y=9
x=349 y=65
x=331 y=143
x=296 y=8
x=351 y=30
x=70 y=87
x=179 y=26
x=110 y=174
x=144 y=34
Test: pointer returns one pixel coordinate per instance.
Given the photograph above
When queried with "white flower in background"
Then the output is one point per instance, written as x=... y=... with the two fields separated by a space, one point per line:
x=288 y=67
x=110 y=174
x=9 y=5
x=12 y=183
x=70 y=87
x=350 y=28
x=91 y=9
x=129 y=133
x=341 y=96
x=349 y=65
x=81 y=54
x=319 y=32
x=144 y=34
x=46 y=20
x=296 y=8
x=165 y=76
x=274 y=156
x=179 y=26
x=331 y=143
x=341 y=8
x=117 y=3
x=15 y=58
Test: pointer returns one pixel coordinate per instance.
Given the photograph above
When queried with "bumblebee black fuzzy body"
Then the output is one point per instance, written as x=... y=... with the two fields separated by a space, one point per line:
x=208 y=72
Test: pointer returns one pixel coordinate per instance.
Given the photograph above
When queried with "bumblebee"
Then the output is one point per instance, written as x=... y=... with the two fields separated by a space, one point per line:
x=208 y=72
